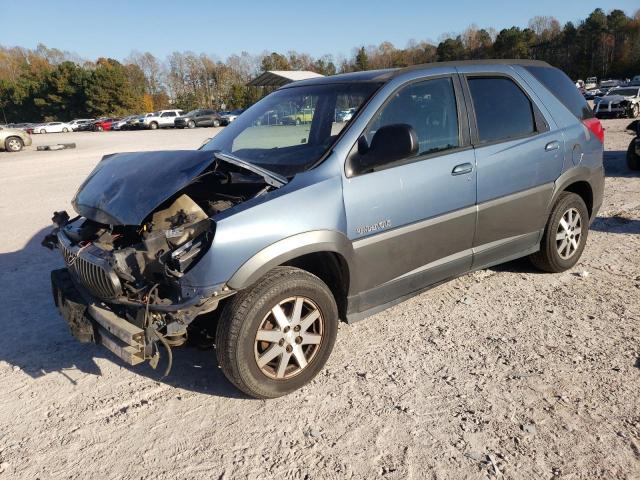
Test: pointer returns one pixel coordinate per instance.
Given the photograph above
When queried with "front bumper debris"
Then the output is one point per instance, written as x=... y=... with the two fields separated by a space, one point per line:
x=91 y=323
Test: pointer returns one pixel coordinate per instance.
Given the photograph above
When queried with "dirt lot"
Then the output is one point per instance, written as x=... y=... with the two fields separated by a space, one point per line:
x=504 y=373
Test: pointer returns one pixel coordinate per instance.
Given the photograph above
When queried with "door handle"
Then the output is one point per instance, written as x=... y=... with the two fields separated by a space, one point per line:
x=462 y=169
x=555 y=145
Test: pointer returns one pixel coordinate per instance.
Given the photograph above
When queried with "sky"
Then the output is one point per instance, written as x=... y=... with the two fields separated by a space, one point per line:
x=113 y=28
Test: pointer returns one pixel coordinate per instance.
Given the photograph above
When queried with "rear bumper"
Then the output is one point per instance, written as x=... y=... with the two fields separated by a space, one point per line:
x=90 y=322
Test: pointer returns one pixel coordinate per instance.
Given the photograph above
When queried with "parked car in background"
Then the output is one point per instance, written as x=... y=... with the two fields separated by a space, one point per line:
x=286 y=231
x=52 y=127
x=229 y=117
x=304 y=115
x=160 y=119
x=635 y=81
x=21 y=126
x=619 y=102
x=136 y=122
x=270 y=117
x=606 y=84
x=103 y=124
x=78 y=122
x=122 y=123
x=200 y=117
x=13 y=139
x=345 y=115
x=591 y=83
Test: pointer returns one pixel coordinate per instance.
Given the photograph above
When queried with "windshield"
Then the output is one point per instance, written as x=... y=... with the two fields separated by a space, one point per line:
x=627 y=92
x=288 y=131
x=192 y=113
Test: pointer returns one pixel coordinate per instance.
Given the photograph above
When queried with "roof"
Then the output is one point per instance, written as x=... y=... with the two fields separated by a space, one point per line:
x=387 y=74
x=278 y=78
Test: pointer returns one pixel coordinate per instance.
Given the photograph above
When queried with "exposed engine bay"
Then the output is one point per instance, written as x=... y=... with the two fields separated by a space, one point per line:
x=135 y=270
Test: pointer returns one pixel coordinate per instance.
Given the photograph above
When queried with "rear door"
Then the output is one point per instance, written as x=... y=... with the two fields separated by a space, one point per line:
x=206 y=118
x=519 y=155
x=412 y=221
x=167 y=119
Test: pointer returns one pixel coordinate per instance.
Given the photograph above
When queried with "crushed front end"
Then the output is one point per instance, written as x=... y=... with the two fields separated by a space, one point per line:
x=122 y=285
x=125 y=284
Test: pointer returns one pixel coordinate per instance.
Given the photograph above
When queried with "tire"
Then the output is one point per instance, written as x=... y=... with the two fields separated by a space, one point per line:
x=633 y=159
x=13 y=144
x=43 y=131
x=298 y=121
x=191 y=124
x=216 y=123
x=634 y=111
x=65 y=130
x=561 y=248
x=153 y=126
x=99 y=128
x=239 y=350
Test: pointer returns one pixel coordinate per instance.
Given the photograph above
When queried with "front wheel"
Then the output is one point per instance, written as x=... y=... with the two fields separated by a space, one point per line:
x=565 y=235
x=634 y=111
x=153 y=126
x=216 y=123
x=43 y=131
x=65 y=130
x=276 y=336
x=191 y=124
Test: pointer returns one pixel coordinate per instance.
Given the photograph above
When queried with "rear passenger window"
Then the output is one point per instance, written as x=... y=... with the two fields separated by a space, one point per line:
x=502 y=110
x=430 y=108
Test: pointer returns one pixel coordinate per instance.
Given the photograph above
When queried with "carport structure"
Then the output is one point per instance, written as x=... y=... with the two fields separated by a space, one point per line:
x=278 y=78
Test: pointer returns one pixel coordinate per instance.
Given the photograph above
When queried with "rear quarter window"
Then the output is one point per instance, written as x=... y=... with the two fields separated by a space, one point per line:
x=561 y=86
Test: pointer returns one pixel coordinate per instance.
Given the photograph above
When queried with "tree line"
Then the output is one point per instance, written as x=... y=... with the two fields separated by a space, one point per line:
x=47 y=83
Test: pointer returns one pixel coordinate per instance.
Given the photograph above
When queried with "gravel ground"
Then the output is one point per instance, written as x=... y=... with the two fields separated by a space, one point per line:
x=504 y=373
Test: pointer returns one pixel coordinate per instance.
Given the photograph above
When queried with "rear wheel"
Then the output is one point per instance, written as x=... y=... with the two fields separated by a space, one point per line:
x=633 y=159
x=99 y=128
x=634 y=111
x=276 y=336
x=43 y=131
x=13 y=144
x=65 y=130
x=565 y=235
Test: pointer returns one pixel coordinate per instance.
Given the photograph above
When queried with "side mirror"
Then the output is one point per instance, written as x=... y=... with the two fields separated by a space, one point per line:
x=389 y=144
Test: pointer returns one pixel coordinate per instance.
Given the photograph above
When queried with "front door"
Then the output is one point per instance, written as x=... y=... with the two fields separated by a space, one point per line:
x=412 y=222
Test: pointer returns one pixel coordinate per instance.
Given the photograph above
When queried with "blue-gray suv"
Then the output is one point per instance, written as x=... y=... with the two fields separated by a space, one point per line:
x=266 y=237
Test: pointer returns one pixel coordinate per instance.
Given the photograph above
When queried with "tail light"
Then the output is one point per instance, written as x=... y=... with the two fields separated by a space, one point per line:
x=595 y=127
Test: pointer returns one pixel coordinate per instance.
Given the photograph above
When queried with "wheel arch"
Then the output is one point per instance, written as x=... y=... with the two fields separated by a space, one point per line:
x=577 y=181
x=326 y=254
x=583 y=189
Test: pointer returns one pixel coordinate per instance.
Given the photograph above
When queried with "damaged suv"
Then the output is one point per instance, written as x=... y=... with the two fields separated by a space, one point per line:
x=270 y=234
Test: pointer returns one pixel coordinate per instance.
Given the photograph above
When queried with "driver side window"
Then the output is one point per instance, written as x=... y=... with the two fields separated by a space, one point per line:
x=429 y=107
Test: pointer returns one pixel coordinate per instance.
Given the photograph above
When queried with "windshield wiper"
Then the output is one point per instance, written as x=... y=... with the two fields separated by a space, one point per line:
x=272 y=178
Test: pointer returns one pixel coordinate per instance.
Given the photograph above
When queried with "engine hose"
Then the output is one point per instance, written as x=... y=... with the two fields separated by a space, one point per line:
x=169 y=352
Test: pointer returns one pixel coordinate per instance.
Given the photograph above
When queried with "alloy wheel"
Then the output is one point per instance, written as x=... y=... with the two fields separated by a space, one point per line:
x=14 y=145
x=289 y=337
x=569 y=233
